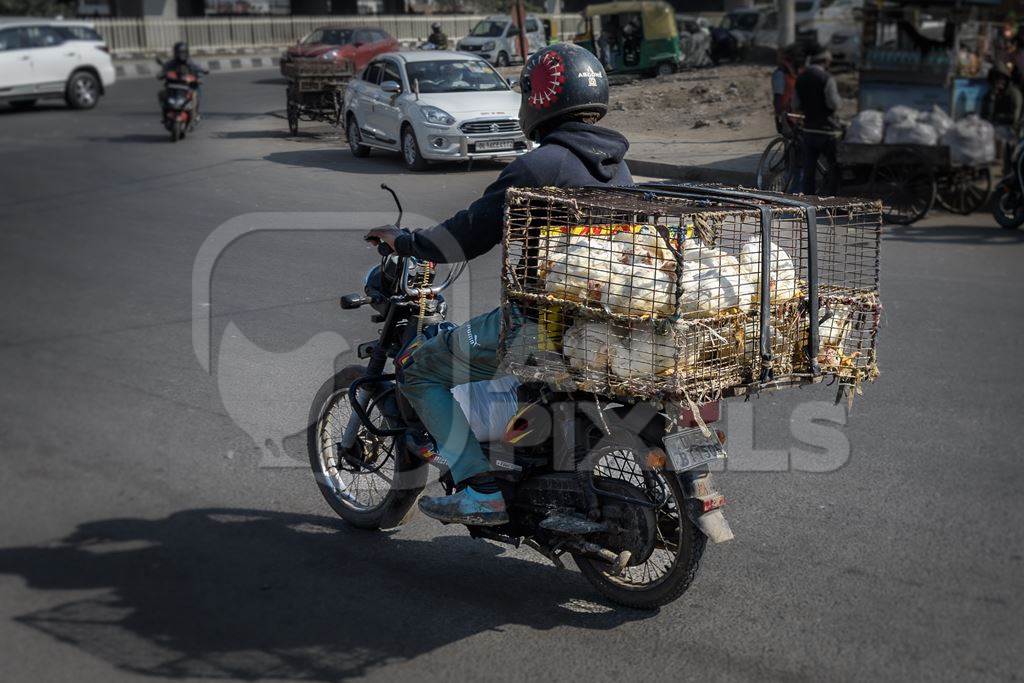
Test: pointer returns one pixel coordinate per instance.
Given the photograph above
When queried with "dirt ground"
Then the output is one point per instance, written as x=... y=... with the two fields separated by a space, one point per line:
x=703 y=102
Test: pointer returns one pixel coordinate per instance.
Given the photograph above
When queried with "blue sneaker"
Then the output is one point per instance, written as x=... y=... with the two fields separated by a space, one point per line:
x=467 y=507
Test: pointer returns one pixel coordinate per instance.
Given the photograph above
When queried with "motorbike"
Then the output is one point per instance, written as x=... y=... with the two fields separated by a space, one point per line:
x=1008 y=197
x=178 y=103
x=630 y=500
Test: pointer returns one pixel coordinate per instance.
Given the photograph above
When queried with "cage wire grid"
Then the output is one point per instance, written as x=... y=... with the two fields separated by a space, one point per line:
x=642 y=296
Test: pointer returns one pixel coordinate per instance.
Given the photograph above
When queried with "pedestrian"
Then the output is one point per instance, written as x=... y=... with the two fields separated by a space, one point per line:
x=817 y=98
x=789 y=62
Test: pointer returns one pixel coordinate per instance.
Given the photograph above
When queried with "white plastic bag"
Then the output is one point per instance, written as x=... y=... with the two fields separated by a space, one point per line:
x=488 y=405
x=971 y=141
x=938 y=119
x=909 y=132
x=866 y=127
x=901 y=114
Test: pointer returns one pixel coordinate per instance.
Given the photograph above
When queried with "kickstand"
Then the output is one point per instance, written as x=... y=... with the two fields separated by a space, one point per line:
x=546 y=552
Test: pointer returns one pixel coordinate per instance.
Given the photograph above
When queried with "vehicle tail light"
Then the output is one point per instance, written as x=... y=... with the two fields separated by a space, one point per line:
x=712 y=503
x=103 y=48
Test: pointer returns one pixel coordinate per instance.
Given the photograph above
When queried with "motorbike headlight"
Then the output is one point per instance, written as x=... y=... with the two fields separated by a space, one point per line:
x=489 y=45
x=438 y=117
x=330 y=54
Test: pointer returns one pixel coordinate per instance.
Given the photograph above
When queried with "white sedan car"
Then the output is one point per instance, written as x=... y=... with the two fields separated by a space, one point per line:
x=433 y=106
x=42 y=58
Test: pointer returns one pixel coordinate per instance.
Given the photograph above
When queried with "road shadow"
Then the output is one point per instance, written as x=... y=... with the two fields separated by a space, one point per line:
x=953 y=234
x=278 y=134
x=247 y=594
x=379 y=162
x=9 y=110
x=134 y=138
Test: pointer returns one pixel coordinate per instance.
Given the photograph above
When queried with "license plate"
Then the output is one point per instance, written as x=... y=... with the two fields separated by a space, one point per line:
x=491 y=145
x=689 y=448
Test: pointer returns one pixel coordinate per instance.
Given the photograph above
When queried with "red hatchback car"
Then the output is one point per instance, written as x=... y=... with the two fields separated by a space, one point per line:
x=339 y=43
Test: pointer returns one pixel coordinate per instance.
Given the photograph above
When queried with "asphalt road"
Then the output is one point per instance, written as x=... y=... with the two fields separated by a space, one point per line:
x=156 y=526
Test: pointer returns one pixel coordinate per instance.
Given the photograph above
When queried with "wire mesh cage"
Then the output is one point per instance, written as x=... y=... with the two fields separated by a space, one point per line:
x=670 y=291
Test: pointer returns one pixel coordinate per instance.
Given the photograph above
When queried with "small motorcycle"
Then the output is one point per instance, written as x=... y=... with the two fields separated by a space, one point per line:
x=1008 y=198
x=606 y=482
x=178 y=102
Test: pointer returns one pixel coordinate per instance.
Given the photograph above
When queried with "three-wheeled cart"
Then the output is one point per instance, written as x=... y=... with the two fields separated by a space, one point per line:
x=315 y=91
x=910 y=179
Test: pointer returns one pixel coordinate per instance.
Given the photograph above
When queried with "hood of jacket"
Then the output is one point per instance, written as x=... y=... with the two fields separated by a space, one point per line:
x=600 y=149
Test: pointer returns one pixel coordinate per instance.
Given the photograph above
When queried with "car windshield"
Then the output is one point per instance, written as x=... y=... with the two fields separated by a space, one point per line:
x=488 y=29
x=455 y=76
x=329 y=36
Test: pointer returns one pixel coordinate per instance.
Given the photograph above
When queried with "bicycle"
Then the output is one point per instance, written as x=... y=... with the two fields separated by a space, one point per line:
x=781 y=164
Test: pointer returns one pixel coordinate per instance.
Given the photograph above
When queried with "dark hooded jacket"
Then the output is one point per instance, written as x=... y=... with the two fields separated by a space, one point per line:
x=572 y=155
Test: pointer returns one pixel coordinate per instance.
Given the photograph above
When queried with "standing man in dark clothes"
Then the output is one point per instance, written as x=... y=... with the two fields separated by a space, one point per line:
x=564 y=93
x=817 y=98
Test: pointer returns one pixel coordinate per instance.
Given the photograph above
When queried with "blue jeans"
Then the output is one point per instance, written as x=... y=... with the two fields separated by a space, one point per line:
x=468 y=353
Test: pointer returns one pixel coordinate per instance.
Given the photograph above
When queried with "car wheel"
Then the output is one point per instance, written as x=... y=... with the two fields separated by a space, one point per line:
x=354 y=139
x=82 y=91
x=665 y=69
x=22 y=105
x=502 y=59
x=414 y=161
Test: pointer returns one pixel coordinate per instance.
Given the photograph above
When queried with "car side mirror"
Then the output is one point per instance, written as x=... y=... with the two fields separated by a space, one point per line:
x=513 y=82
x=391 y=87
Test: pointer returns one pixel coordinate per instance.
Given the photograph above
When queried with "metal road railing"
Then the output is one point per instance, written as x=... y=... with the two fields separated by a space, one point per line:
x=127 y=35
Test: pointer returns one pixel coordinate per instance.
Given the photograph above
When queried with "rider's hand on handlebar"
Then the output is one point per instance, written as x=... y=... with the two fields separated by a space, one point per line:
x=384 y=235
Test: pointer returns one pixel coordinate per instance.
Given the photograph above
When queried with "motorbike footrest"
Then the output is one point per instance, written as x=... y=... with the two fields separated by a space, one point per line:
x=571 y=524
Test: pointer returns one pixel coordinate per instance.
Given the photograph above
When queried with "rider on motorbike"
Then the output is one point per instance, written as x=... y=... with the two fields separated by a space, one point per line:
x=182 y=65
x=564 y=93
x=437 y=37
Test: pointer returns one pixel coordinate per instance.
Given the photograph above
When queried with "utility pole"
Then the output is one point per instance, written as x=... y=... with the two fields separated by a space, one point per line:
x=519 y=17
x=787 y=22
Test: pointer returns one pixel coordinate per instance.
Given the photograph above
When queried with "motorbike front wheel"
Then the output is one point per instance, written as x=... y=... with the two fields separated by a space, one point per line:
x=177 y=130
x=670 y=559
x=1008 y=204
x=357 y=484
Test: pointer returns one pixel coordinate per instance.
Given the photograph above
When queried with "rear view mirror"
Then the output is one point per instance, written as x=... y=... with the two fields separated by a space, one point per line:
x=513 y=82
x=391 y=87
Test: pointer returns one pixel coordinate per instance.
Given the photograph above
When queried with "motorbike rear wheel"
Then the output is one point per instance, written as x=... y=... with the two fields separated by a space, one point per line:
x=663 y=574
x=357 y=485
x=1008 y=204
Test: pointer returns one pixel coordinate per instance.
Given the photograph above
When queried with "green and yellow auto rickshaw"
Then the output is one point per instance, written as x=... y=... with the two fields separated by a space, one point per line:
x=632 y=37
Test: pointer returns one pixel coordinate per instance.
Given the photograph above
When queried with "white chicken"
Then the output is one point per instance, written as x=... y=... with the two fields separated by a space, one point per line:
x=586 y=345
x=645 y=244
x=645 y=291
x=647 y=353
x=782 y=274
x=585 y=267
x=833 y=331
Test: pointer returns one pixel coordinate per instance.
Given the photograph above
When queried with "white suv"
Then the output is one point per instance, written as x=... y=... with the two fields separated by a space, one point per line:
x=43 y=58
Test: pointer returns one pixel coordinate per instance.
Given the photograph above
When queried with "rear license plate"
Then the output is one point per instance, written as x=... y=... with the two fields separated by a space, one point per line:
x=492 y=145
x=689 y=448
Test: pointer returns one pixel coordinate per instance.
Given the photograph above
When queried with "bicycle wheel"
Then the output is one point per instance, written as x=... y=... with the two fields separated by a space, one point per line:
x=773 y=166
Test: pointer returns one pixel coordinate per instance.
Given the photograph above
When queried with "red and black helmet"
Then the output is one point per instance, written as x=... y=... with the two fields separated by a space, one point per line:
x=561 y=79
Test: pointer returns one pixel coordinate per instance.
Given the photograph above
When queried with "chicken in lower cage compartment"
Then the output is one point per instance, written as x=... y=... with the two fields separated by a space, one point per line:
x=832 y=335
x=646 y=353
x=585 y=345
